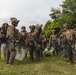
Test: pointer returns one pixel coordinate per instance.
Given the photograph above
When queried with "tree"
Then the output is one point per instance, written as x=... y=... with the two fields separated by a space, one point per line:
x=59 y=17
x=69 y=12
x=46 y=29
x=57 y=25
x=55 y=14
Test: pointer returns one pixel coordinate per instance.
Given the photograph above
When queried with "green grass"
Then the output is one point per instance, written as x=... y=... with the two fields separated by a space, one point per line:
x=47 y=66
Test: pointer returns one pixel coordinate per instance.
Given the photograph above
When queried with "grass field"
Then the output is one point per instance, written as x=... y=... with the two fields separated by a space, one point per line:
x=47 y=66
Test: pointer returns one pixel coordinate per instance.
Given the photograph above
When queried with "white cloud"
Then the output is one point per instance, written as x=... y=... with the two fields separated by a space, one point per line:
x=27 y=11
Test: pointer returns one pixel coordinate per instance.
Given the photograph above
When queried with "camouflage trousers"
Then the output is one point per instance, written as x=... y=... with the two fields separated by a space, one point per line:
x=10 y=53
x=70 y=53
x=33 y=50
x=55 y=46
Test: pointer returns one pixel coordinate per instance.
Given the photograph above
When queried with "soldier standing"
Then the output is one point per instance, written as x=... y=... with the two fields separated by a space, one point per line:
x=39 y=40
x=64 y=52
x=53 y=42
x=44 y=41
x=22 y=39
x=69 y=41
x=3 y=40
x=33 y=42
x=12 y=39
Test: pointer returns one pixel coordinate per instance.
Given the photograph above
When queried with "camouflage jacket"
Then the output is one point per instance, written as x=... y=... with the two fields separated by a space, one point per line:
x=22 y=37
x=12 y=34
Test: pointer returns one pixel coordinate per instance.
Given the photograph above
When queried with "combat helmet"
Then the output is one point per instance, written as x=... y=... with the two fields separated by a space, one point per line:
x=65 y=25
x=53 y=31
x=23 y=27
x=14 y=20
x=32 y=27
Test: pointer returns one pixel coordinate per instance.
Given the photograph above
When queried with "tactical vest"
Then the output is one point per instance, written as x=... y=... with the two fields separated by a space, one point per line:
x=53 y=37
x=70 y=35
x=31 y=38
x=22 y=36
x=12 y=33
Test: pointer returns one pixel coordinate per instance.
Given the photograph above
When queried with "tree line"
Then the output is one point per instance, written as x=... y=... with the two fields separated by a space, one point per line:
x=67 y=14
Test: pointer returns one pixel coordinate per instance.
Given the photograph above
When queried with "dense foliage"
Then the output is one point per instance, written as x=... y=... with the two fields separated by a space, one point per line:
x=60 y=16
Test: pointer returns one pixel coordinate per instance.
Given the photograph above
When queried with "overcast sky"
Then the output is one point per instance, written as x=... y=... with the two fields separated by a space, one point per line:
x=27 y=11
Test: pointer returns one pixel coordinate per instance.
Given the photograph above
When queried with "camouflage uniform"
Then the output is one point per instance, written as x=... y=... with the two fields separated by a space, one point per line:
x=64 y=52
x=3 y=40
x=32 y=43
x=39 y=40
x=44 y=42
x=12 y=38
x=53 y=42
x=22 y=39
x=69 y=41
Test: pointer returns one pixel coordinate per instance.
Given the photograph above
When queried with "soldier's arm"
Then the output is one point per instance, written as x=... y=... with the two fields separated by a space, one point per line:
x=11 y=34
x=1 y=33
x=8 y=32
x=17 y=36
x=38 y=32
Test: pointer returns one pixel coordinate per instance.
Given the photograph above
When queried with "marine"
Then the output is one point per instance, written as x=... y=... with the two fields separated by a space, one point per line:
x=54 y=43
x=32 y=43
x=12 y=39
x=22 y=39
x=69 y=42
